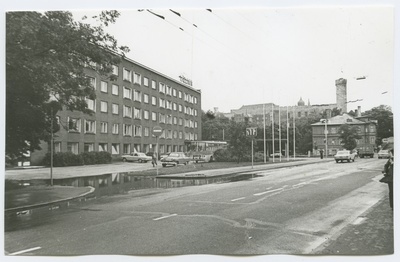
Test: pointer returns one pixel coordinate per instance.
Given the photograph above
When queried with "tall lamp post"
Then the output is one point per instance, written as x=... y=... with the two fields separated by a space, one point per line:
x=157 y=131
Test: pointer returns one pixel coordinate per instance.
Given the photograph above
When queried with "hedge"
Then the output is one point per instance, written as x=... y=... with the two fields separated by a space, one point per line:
x=70 y=159
x=225 y=155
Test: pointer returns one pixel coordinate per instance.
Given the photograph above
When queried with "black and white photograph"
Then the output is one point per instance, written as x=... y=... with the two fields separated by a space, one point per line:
x=202 y=130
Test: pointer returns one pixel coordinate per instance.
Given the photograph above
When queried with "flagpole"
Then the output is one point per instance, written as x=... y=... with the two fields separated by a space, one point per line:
x=294 y=133
x=273 y=135
x=265 y=146
x=287 y=132
x=280 y=136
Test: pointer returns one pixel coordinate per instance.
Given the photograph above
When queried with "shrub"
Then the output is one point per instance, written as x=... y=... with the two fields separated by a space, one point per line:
x=70 y=159
x=223 y=155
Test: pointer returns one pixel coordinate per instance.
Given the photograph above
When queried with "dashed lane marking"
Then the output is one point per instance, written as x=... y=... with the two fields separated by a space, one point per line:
x=237 y=199
x=24 y=251
x=269 y=191
x=159 y=218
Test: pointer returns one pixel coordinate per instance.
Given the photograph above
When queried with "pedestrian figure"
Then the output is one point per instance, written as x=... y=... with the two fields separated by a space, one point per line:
x=321 y=153
x=154 y=159
x=388 y=173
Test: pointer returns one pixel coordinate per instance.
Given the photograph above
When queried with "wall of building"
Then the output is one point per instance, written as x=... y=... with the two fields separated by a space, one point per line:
x=159 y=101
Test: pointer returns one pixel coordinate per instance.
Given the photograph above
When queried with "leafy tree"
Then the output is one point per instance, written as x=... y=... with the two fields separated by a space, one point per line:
x=384 y=116
x=214 y=128
x=239 y=144
x=46 y=56
x=348 y=136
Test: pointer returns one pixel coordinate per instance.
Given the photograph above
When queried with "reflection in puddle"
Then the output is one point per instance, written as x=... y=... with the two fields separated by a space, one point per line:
x=105 y=185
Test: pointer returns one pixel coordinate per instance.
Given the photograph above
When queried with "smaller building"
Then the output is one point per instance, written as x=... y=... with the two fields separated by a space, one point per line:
x=366 y=128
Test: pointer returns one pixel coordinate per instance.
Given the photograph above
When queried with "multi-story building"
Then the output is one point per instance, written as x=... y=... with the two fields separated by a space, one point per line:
x=256 y=113
x=366 y=128
x=126 y=110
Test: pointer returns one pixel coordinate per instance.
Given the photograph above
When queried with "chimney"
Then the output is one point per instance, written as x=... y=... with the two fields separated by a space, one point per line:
x=358 y=111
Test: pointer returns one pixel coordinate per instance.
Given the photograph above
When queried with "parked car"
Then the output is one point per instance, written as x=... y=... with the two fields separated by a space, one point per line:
x=164 y=155
x=175 y=158
x=344 y=155
x=383 y=154
x=276 y=154
x=139 y=157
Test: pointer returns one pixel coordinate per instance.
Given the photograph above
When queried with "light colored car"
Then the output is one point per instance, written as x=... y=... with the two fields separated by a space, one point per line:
x=276 y=154
x=344 y=155
x=175 y=158
x=383 y=154
x=138 y=157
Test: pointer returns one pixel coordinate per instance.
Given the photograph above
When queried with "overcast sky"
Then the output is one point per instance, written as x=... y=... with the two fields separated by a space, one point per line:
x=241 y=56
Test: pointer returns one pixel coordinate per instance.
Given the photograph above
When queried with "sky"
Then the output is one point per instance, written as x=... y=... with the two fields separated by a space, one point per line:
x=246 y=55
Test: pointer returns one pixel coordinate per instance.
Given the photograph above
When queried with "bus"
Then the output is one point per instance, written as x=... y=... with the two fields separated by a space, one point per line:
x=203 y=151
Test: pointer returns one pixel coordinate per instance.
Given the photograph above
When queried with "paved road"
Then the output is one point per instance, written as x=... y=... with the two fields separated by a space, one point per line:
x=287 y=211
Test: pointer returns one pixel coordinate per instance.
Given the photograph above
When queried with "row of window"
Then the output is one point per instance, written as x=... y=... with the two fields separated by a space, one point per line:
x=73 y=147
x=136 y=78
x=91 y=104
x=333 y=141
x=74 y=125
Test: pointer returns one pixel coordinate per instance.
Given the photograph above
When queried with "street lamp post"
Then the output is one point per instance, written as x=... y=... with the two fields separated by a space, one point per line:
x=51 y=147
x=157 y=131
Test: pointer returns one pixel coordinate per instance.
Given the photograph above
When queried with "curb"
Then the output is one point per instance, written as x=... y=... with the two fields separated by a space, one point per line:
x=55 y=202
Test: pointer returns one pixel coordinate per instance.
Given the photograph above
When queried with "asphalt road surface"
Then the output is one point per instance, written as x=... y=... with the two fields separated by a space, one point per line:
x=284 y=211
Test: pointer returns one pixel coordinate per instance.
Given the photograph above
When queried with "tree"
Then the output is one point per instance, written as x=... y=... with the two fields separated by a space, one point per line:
x=348 y=136
x=213 y=128
x=384 y=116
x=46 y=56
x=239 y=144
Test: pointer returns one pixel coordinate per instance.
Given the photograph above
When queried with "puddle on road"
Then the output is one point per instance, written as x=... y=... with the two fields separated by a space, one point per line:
x=105 y=185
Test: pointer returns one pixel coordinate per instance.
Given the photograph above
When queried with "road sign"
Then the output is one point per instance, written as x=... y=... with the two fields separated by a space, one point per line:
x=157 y=130
x=251 y=131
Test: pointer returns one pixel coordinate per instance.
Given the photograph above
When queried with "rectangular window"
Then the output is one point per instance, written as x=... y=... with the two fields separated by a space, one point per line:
x=138 y=130
x=127 y=92
x=103 y=127
x=169 y=134
x=57 y=147
x=161 y=88
x=153 y=84
x=137 y=79
x=127 y=111
x=195 y=100
x=175 y=120
x=126 y=149
x=145 y=81
x=195 y=124
x=154 y=116
x=146 y=131
x=168 y=90
x=91 y=104
x=161 y=118
x=154 y=100
x=90 y=126
x=73 y=147
x=168 y=104
x=174 y=92
x=175 y=134
x=161 y=103
x=92 y=81
x=180 y=108
x=169 y=119
x=146 y=98
x=103 y=106
x=115 y=149
x=146 y=114
x=137 y=113
x=127 y=75
x=180 y=135
x=114 y=89
x=74 y=124
x=88 y=147
x=115 y=129
x=115 y=70
x=174 y=106
x=180 y=121
x=103 y=147
x=180 y=94
x=115 y=109
x=137 y=96
x=103 y=87
x=127 y=130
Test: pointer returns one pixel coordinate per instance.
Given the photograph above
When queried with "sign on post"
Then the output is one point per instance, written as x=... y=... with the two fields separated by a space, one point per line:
x=157 y=130
x=251 y=131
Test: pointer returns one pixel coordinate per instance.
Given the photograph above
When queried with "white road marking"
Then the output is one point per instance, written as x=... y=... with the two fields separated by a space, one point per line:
x=24 y=251
x=236 y=199
x=359 y=220
x=266 y=192
x=159 y=218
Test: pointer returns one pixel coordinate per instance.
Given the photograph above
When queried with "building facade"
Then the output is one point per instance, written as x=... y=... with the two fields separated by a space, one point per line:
x=126 y=110
x=256 y=113
x=366 y=128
